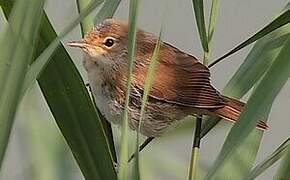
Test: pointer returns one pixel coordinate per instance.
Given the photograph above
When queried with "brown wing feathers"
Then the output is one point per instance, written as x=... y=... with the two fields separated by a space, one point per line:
x=181 y=79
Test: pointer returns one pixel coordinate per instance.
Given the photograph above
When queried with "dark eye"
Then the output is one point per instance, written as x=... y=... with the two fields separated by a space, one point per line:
x=109 y=42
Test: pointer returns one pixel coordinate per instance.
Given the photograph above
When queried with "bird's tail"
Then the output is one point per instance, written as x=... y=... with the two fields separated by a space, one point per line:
x=232 y=110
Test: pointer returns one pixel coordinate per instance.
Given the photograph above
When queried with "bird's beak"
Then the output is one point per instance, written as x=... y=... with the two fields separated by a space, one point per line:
x=79 y=44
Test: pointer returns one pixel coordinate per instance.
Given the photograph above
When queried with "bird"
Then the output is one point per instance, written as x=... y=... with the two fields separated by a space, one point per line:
x=181 y=85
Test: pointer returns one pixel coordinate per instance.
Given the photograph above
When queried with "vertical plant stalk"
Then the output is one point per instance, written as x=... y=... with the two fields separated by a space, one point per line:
x=86 y=24
x=195 y=150
x=133 y=13
x=205 y=38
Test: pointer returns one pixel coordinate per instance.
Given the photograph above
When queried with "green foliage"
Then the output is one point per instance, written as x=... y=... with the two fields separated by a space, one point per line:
x=17 y=45
x=65 y=96
x=280 y=21
x=256 y=108
x=27 y=56
x=133 y=14
x=88 y=22
x=199 y=16
x=283 y=170
x=270 y=160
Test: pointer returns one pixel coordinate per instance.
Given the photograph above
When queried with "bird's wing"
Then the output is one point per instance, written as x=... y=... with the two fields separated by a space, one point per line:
x=179 y=79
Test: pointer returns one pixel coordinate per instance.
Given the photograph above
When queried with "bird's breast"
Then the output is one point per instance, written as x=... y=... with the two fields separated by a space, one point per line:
x=103 y=94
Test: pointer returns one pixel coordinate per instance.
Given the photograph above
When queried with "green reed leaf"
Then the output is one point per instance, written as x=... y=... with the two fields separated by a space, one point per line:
x=72 y=108
x=254 y=66
x=86 y=25
x=280 y=21
x=133 y=14
x=108 y=10
x=17 y=42
x=256 y=63
x=199 y=17
x=88 y=22
x=43 y=59
x=256 y=108
x=270 y=160
x=283 y=170
x=212 y=19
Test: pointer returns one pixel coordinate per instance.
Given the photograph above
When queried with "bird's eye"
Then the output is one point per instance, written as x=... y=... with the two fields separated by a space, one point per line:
x=109 y=42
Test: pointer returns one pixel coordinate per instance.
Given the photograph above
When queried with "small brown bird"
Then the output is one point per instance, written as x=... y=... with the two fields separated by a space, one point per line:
x=181 y=86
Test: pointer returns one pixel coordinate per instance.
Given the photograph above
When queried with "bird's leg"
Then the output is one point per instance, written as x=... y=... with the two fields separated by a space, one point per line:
x=143 y=145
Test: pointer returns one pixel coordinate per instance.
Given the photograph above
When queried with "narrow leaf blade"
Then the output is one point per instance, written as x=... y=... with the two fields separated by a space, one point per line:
x=133 y=14
x=199 y=17
x=280 y=21
x=256 y=108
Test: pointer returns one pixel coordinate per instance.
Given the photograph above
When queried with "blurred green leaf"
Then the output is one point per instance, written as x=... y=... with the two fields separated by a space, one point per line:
x=212 y=19
x=133 y=14
x=73 y=111
x=86 y=25
x=17 y=42
x=280 y=21
x=256 y=63
x=88 y=22
x=43 y=59
x=254 y=66
x=270 y=160
x=283 y=172
x=108 y=10
x=199 y=17
x=256 y=108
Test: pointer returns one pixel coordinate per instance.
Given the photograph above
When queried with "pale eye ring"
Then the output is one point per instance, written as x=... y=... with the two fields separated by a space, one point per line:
x=109 y=42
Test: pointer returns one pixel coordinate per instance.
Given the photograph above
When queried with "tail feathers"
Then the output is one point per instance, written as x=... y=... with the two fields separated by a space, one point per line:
x=232 y=110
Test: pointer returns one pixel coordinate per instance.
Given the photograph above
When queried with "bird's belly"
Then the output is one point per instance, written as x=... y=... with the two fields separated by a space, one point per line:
x=109 y=107
x=158 y=116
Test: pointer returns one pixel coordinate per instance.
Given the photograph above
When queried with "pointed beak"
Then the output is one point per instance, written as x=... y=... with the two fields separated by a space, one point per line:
x=78 y=44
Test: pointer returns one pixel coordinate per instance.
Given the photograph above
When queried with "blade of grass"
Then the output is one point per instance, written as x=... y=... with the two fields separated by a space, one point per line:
x=86 y=25
x=88 y=22
x=254 y=66
x=147 y=87
x=212 y=19
x=108 y=10
x=257 y=62
x=241 y=161
x=211 y=28
x=16 y=53
x=199 y=13
x=80 y=126
x=270 y=160
x=133 y=14
x=280 y=21
x=256 y=108
x=283 y=170
x=43 y=59
x=199 y=17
